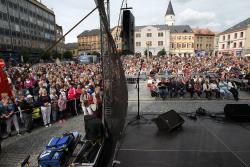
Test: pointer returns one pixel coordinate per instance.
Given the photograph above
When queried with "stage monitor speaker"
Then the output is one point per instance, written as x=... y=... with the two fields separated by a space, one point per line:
x=169 y=121
x=93 y=127
x=237 y=112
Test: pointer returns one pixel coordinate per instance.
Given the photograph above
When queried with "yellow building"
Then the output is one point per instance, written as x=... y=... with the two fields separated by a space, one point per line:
x=116 y=33
x=181 y=41
x=73 y=48
x=89 y=41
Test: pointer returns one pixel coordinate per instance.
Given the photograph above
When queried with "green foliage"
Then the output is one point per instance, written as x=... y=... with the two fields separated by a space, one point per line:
x=1 y=56
x=162 y=52
x=56 y=55
x=67 y=55
x=45 y=55
x=146 y=53
x=25 y=55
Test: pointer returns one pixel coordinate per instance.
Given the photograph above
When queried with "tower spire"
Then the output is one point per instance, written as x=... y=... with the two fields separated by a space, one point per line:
x=170 y=16
x=170 y=10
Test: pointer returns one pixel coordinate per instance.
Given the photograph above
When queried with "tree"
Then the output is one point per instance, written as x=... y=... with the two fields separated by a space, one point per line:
x=162 y=52
x=56 y=55
x=1 y=56
x=45 y=55
x=67 y=55
x=146 y=53
x=25 y=55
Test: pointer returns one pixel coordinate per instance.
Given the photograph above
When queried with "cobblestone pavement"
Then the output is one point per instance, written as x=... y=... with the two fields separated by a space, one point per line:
x=16 y=148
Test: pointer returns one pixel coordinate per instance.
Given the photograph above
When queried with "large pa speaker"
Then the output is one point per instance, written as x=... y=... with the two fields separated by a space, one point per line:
x=169 y=121
x=237 y=112
x=94 y=128
x=128 y=28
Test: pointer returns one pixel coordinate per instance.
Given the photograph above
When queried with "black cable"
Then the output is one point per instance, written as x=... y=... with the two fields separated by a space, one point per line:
x=59 y=40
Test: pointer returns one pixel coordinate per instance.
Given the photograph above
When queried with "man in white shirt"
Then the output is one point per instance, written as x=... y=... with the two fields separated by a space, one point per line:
x=215 y=89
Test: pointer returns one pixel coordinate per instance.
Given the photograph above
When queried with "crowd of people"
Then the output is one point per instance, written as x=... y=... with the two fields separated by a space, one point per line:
x=54 y=90
x=177 y=76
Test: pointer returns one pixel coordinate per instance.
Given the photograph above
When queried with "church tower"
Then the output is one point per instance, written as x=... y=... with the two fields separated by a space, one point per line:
x=170 y=16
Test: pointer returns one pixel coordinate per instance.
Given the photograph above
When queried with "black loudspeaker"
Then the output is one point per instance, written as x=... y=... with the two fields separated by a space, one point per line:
x=94 y=128
x=128 y=28
x=237 y=112
x=169 y=121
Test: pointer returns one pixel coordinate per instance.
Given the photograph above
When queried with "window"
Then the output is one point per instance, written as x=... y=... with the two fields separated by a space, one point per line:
x=138 y=44
x=235 y=36
x=149 y=35
x=149 y=43
x=223 y=46
x=179 y=45
x=228 y=37
x=160 y=34
x=160 y=43
x=184 y=45
x=235 y=44
x=241 y=34
x=240 y=45
x=172 y=45
x=224 y=38
x=197 y=46
x=138 y=35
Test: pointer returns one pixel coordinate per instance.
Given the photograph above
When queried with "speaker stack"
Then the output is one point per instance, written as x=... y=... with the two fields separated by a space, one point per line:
x=237 y=112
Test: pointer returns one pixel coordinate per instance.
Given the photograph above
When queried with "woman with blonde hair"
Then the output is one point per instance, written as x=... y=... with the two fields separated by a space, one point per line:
x=86 y=106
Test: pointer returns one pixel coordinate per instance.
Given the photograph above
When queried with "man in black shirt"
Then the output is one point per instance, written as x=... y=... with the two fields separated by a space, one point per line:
x=162 y=86
x=26 y=110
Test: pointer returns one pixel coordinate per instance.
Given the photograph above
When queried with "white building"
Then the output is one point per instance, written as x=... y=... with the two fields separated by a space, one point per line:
x=233 y=40
x=152 y=37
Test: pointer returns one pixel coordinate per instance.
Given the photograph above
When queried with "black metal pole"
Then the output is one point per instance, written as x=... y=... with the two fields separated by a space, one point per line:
x=138 y=91
x=138 y=94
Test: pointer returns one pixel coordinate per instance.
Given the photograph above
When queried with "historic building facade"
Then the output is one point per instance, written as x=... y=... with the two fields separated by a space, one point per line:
x=181 y=41
x=233 y=41
x=89 y=41
x=203 y=41
x=153 y=38
x=60 y=47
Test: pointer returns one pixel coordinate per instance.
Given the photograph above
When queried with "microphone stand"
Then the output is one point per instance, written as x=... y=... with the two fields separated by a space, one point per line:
x=138 y=117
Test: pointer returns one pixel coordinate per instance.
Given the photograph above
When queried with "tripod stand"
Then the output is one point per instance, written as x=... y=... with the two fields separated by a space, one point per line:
x=138 y=118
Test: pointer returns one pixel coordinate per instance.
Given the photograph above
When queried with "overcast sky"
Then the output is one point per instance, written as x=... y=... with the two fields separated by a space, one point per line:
x=217 y=15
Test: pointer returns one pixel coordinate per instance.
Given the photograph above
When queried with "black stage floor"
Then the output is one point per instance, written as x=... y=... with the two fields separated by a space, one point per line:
x=201 y=143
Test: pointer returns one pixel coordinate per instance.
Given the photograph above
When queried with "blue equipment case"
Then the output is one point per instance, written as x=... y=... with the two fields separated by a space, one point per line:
x=58 y=149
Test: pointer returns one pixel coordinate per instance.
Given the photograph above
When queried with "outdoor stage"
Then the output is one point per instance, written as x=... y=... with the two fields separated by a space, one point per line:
x=201 y=143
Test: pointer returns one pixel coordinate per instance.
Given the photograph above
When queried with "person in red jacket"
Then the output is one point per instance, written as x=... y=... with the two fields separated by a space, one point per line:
x=78 y=95
x=72 y=100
